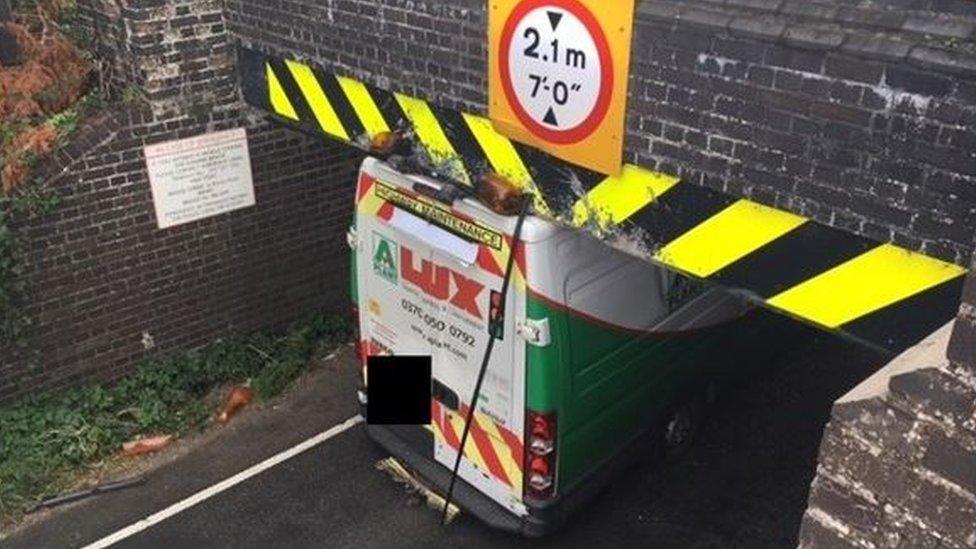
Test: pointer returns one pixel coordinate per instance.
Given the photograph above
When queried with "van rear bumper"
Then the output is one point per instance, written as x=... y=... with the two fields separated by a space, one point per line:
x=418 y=454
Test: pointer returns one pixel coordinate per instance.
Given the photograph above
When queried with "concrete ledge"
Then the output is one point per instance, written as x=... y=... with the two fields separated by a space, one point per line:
x=895 y=463
x=930 y=353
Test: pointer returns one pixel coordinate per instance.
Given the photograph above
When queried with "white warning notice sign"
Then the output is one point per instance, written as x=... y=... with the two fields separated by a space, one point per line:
x=199 y=176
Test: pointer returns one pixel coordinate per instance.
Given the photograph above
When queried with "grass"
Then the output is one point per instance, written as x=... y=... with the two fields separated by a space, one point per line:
x=49 y=441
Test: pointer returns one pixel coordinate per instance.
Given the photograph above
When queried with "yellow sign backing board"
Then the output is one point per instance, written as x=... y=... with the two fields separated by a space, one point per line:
x=558 y=72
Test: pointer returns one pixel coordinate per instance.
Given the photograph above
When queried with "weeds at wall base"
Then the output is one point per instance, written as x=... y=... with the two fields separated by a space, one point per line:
x=50 y=440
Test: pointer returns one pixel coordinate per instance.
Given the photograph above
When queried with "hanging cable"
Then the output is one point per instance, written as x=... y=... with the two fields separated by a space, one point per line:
x=494 y=328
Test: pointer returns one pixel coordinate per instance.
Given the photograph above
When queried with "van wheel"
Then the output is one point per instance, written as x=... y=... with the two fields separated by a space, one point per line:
x=680 y=427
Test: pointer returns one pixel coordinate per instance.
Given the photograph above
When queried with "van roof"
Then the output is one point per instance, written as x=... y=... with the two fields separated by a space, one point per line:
x=535 y=228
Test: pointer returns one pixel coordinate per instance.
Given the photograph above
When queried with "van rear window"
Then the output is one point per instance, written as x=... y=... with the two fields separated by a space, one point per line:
x=440 y=215
x=460 y=248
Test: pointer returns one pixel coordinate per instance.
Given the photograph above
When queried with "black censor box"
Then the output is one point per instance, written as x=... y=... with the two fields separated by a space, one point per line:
x=398 y=390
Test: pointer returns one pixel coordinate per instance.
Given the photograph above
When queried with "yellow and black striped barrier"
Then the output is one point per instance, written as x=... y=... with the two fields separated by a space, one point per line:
x=879 y=293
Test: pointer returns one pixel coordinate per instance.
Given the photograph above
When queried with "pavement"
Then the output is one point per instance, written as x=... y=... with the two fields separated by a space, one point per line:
x=743 y=484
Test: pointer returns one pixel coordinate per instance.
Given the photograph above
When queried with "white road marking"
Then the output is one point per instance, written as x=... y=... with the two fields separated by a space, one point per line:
x=225 y=484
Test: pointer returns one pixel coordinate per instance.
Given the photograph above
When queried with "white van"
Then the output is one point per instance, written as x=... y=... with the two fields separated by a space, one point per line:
x=599 y=351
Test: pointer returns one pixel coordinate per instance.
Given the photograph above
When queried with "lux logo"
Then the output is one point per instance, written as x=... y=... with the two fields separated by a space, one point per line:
x=435 y=281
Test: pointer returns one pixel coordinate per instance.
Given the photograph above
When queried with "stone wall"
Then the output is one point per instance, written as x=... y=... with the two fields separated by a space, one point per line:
x=853 y=113
x=107 y=288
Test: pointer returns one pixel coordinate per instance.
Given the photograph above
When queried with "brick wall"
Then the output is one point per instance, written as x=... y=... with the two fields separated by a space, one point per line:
x=104 y=281
x=858 y=113
x=853 y=113
x=962 y=346
x=105 y=31
x=897 y=465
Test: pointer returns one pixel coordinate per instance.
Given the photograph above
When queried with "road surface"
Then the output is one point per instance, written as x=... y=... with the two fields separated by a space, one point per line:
x=743 y=484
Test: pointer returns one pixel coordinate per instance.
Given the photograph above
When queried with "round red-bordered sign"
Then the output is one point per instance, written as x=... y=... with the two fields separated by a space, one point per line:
x=592 y=122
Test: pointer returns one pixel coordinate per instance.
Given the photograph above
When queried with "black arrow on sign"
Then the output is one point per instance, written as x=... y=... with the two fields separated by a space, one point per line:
x=554 y=18
x=550 y=118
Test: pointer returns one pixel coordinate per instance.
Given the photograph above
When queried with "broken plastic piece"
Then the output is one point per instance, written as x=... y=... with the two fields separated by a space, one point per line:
x=401 y=475
x=82 y=494
x=146 y=445
x=239 y=397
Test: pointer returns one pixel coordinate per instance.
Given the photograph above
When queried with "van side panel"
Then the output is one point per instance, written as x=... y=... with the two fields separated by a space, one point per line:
x=606 y=373
x=605 y=403
x=353 y=286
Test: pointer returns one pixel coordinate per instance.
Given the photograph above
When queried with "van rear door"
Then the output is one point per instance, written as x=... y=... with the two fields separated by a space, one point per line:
x=493 y=452
x=428 y=279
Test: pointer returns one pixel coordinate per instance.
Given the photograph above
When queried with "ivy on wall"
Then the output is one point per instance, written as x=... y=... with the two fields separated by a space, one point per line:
x=26 y=202
x=42 y=98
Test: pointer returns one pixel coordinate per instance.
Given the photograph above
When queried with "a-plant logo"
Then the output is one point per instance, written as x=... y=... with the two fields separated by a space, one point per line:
x=385 y=255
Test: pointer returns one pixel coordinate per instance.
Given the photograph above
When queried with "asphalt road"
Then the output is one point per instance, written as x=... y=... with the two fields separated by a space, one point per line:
x=743 y=484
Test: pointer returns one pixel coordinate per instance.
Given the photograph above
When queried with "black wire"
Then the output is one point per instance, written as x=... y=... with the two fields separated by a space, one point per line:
x=493 y=331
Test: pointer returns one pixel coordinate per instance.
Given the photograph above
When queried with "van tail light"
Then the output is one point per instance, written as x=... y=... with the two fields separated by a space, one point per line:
x=360 y=345
x=362 y=352
x=540 y=455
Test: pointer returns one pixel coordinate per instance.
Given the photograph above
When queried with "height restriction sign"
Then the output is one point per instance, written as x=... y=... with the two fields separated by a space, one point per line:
x=558 y=76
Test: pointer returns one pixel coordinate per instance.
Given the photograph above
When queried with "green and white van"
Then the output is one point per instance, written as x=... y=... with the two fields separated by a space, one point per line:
x=601 y=354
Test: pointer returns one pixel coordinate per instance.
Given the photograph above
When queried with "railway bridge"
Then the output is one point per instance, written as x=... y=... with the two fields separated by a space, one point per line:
x=819 y=156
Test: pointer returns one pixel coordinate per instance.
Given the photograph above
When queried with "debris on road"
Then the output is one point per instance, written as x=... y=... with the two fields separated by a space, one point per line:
x=238 y=397
x=146 y=445
x=401 y=475
x=82 y=494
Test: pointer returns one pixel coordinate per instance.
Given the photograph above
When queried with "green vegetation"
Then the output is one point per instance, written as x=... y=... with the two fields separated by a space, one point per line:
x=48 y=441
x=43 y=101
x=64 y=122
x=30 y=201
